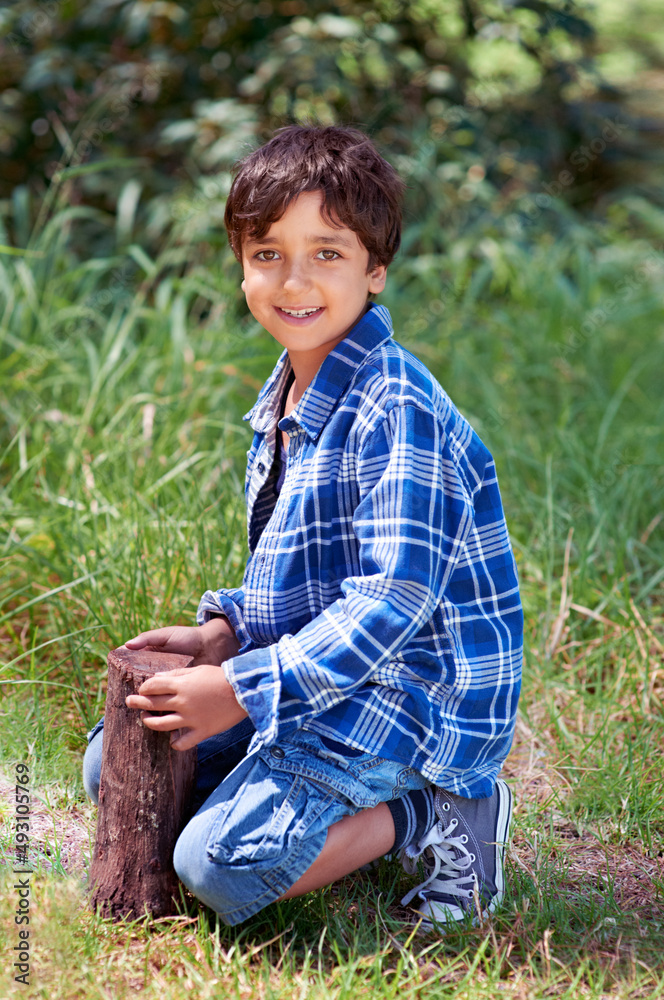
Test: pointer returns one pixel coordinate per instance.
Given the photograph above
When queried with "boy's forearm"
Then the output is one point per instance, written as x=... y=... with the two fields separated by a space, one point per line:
x=219 y=640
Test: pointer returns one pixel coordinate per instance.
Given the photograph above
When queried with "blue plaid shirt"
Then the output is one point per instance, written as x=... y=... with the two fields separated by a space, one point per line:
x=380 y=603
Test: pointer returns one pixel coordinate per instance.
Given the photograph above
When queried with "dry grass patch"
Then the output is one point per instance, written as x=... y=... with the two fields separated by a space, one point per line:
x=61 y=836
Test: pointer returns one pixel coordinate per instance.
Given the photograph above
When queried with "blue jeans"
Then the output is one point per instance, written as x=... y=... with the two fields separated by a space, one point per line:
x=217 y=756
x=264 y=820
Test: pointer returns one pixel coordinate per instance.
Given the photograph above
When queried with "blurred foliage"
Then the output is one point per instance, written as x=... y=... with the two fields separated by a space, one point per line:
x=489 y=109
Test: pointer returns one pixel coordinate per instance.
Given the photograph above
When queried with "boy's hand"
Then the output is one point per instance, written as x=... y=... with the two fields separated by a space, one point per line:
x=198 y=700
x=213 y=642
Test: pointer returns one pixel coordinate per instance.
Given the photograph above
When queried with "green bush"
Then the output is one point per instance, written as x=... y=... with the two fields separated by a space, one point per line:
x=481 y=104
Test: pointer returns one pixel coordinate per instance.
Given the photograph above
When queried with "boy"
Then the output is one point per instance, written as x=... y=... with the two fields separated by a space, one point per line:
x=370 y=662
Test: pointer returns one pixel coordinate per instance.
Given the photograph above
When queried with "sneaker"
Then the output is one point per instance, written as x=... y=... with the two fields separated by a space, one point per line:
x=464 y=850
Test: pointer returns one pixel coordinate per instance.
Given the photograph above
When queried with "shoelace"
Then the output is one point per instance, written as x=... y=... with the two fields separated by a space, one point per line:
x=450 y=858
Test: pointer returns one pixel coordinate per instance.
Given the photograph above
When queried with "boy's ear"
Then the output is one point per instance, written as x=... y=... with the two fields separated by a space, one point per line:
x=377 y=279
x=243 y=284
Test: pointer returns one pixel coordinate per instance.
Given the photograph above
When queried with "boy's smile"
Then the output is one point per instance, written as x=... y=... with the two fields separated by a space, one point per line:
x=307 y=282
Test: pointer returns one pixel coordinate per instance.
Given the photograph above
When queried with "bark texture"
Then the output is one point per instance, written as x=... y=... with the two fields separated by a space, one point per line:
x=144 y=797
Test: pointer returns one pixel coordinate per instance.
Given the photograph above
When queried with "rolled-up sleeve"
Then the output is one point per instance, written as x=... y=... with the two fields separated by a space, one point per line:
x=228 y=602
x=414 y=514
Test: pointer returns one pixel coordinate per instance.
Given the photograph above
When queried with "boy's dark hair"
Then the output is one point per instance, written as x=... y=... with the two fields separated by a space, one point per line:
x=361 y=190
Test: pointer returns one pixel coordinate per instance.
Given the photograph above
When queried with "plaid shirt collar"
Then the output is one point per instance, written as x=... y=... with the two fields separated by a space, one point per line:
x=324 y=392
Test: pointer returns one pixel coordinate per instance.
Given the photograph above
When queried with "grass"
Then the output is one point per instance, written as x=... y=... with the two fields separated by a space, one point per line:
x=122 y=385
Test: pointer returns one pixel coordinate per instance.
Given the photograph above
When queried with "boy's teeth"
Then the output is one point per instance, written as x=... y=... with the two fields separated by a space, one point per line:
x=300 y=312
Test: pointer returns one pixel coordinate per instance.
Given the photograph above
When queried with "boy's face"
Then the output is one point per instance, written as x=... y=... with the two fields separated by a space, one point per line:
x=306 y=282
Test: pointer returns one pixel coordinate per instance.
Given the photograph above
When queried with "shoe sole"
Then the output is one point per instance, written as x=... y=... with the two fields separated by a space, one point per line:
x=503 y=823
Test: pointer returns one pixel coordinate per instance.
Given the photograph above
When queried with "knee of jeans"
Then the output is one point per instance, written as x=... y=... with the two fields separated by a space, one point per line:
x=184 y=869
x=225 y=874
x=194 y=868
x=92 y=767
x=190 y=853
x=234 y=890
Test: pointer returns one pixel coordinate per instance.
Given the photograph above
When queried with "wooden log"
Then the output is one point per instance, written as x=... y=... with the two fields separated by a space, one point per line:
x=144 y=796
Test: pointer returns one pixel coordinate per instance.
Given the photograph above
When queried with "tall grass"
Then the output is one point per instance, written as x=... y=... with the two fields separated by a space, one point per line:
x=123 y=381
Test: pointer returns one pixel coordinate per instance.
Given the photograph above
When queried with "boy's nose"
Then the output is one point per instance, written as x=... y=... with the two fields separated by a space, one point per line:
x=296 y=278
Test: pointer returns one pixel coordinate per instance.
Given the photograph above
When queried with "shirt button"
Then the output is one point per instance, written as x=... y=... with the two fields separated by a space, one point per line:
x=278 y=753
x=261 y=468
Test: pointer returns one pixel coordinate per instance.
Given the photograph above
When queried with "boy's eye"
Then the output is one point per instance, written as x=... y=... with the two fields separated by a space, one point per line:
x=267 y=255
x=328 y=254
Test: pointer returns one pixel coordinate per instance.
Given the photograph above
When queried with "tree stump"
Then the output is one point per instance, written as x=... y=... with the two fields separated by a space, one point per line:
x=144 y=797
